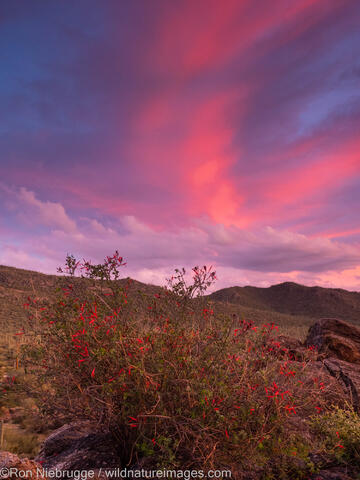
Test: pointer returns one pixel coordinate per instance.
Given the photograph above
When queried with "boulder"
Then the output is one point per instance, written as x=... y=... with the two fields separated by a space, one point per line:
x=348 y=375
x=339 y=343
x=63 y=438
x=12 y=466
x=335 y=338
x=76 y=446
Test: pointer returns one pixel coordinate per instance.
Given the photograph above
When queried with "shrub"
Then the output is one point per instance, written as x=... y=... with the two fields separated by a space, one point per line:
x=341 y=430
x=170 y=378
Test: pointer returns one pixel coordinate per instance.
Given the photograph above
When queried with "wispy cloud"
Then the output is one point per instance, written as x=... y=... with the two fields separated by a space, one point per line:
x=239 y=254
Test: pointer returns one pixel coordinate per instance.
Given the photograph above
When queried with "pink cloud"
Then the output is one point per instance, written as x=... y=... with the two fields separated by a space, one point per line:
x=186 y=46
x=239 y=255
x=218 y=131
x=46 y=213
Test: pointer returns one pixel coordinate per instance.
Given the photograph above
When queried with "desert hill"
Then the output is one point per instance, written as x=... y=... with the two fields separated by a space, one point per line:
x=294 y=307
x=17 y=284
x=294 y=299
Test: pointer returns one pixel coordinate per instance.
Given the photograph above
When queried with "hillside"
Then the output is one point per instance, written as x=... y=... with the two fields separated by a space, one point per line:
x=293 y=299
x=293 y=307
x=17 y=284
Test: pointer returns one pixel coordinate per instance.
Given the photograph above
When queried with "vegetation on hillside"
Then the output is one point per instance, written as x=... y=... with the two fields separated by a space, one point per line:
x=176 y=381
x=293 y=307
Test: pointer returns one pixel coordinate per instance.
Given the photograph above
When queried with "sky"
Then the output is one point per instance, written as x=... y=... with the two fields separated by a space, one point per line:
x=195 y=132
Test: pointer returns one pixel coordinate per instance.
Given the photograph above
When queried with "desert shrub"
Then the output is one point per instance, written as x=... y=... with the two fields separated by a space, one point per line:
x=170 y=378
x=340 y=429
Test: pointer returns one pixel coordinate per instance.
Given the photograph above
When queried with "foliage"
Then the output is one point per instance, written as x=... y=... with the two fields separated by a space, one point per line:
x=172 y=380
x=341 y=430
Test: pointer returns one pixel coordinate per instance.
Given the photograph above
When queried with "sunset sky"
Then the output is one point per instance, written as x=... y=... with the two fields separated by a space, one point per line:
x=181 y=133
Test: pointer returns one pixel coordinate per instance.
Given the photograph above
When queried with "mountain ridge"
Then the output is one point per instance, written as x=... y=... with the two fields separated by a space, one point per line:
x=295 y=299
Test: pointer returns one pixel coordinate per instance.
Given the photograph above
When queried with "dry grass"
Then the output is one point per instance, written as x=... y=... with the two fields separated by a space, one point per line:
x=20 y=441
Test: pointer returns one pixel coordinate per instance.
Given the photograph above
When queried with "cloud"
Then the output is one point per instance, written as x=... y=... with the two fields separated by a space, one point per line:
x=239 y=255
x=271 y=250
x=225 y=31
x=178 y=134
x=19 y=257
x=46 y=213
x=33 y=211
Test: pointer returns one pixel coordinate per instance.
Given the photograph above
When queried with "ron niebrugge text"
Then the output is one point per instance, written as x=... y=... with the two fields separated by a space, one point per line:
x=11 y=473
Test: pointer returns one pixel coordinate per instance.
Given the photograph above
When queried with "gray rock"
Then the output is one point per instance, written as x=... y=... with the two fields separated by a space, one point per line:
x=76 y=446
x=64 y=437
x=348 y=375
x=335 y=338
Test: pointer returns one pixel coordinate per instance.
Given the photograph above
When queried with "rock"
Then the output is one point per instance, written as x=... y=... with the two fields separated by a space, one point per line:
x=17 y=467
x=335 y=338
x=339 y=343
x=76 y=446
x=348 y=375
x=64 y=437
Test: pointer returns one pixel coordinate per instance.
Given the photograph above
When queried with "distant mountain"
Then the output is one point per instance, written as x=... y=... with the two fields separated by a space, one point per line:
x=294 y=299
